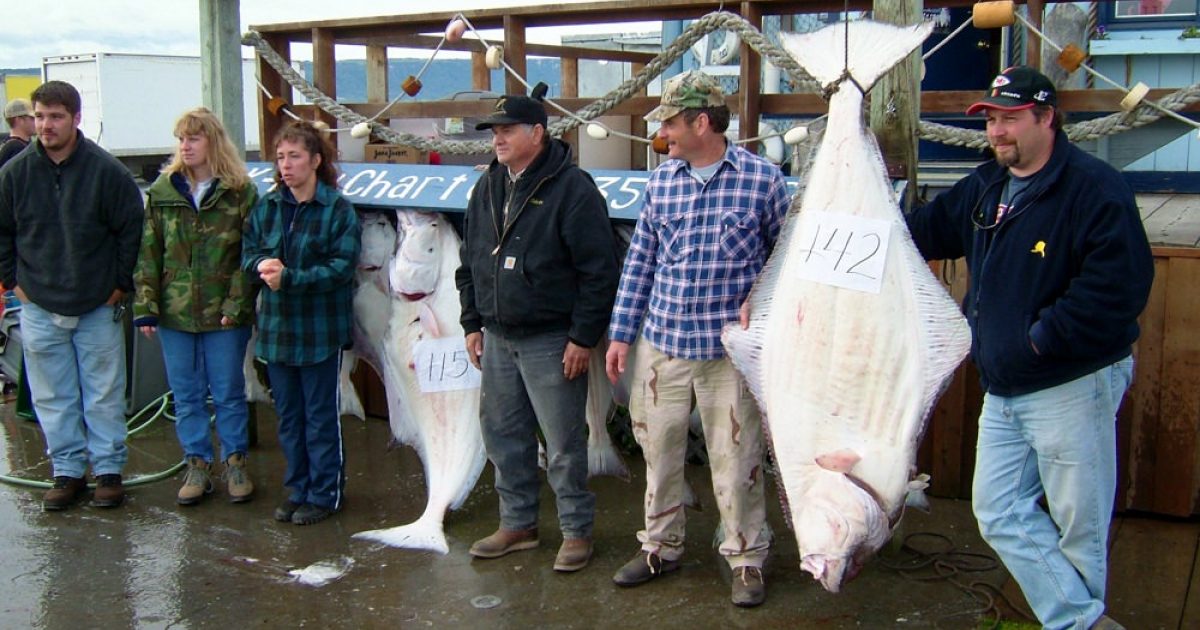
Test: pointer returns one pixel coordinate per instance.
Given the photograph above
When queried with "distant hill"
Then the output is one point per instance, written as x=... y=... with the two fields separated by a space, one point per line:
x=21 y=71
x=443 y=78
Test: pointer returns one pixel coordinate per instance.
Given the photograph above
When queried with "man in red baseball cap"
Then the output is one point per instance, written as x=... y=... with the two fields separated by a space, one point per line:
x=1060 y=269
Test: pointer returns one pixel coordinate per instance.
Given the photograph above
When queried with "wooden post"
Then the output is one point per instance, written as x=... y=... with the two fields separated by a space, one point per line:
x=896 y=101
x=1033 y=45
x=268 y=123
x=377 y=74
x=750 y=85
x=221 y=66
x=569 y=79
x=481 y=76
x=325 y=73
x=514 y=53
x=637 y=127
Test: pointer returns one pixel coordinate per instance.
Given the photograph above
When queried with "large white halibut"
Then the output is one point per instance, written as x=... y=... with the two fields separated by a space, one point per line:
x=846 y=377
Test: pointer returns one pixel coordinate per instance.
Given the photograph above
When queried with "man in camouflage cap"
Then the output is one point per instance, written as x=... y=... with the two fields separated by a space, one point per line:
x=710 y=218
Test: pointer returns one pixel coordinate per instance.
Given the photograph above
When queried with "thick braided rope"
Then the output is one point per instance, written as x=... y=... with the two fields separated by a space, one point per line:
x=700 y=28
x=1111 y=124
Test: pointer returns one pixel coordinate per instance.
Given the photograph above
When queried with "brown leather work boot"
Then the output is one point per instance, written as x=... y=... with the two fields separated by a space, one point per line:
x=573 y=555
x=239 y=486
x=65 y=493
x=749 y=588
x=505 y=541
x=642 y=568
x=109 y=491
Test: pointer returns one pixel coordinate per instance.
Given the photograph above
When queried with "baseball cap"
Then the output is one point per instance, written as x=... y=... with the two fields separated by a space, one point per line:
x=18 y=107
x=517 y=109
x=1019 y=87
x=689 y=90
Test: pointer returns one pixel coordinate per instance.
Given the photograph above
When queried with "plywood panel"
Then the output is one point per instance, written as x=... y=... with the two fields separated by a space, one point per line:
x=1176 y=466
x=1151 y=562
x=1148 y=204
x=1176 y=222
x=1143 y=399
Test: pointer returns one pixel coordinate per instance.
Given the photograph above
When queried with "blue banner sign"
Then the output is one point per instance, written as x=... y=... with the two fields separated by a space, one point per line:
x=448 y=188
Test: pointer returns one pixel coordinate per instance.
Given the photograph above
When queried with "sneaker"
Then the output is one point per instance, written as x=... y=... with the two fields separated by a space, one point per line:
x=645 y=566
x=573 y=555
x=284 y=512
x=109 y=491
x=238 y=483
x=310 y=513
x=65 y=493
x=749 y=589
x=505 y=541
x=196 y=482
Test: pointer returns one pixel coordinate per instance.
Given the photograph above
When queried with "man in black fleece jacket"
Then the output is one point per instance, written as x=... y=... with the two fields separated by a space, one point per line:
x=1060 y=269
x=538 y=277
x=70 y=226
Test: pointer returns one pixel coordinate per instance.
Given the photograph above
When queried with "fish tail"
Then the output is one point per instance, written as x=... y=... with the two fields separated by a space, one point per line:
x=604 y=460
x=425 y=533
x=869 y=50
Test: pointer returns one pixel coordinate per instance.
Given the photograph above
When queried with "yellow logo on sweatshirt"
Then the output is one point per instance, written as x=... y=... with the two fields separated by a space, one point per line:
x=1040 y=249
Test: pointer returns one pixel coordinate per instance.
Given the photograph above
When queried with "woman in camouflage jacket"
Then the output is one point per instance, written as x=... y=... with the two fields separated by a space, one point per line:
x=191 y=291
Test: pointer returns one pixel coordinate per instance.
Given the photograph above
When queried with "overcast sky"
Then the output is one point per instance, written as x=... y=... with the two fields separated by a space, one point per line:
x=64 y=27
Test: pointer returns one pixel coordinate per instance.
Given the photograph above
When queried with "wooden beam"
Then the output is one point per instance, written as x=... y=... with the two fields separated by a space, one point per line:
x=426 y=42
x=377 y=74
x=325 y=73
x=749 y=86
x=894 y=106
x=1033 y=45
x=568 y=74
x=268 y=123
x=514 y=53
x=637 y=127
x=481 y=75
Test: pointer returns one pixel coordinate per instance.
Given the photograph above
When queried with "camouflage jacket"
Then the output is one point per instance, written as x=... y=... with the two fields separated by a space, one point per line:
x=188 y=272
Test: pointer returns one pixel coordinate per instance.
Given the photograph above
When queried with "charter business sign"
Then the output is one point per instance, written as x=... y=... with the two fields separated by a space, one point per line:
x=448 y=188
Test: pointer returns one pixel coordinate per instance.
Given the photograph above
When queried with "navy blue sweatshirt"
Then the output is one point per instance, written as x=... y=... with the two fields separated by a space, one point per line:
x=1067 y=270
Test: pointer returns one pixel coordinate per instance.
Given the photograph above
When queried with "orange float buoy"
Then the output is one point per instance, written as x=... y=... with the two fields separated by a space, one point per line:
x=1071 y=58
x=411 y=85
x=660 y=145
x=993 y=14
x=275 y=105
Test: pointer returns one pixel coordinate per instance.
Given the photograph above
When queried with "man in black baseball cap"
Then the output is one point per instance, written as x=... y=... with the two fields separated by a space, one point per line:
x=537 y=282
x=1060 y=268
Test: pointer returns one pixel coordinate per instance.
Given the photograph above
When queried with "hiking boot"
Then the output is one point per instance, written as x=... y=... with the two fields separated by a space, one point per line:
x=573 y=555
x=310 y=513
x=109 y=491
x=65 y=493
x=749 y=589
x=505 y=541
x=284 y=512
x=196 y=482
x=645 y=566
x=1106 y=623
x=238 y=483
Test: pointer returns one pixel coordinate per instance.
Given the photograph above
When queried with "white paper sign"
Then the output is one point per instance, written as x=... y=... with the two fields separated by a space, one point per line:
x=843 y=250
x=442 y=365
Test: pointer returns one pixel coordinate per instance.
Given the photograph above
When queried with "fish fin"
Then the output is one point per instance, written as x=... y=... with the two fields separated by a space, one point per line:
x=425 y=533
x=429 y=320
x=842 y=461
x=349 y=403
x=603 y=458
x=874 y=47
x=605 y=461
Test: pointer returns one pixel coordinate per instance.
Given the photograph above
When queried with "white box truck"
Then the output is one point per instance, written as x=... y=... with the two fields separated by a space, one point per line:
x=131 y=101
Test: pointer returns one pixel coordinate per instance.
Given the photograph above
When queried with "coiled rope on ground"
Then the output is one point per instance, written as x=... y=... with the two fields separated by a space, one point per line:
x=1111 y=124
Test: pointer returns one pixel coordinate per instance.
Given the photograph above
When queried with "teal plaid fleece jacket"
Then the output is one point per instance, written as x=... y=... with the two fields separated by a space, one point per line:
x=309 y=318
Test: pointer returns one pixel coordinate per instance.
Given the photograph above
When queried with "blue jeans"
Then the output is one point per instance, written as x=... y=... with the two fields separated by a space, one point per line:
x=522 y=389
x=199 y=364
x=310 y=431
x=1060 y=442
x=76 y=372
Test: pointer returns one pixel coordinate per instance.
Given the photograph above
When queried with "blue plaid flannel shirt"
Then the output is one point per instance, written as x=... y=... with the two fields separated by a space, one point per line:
x=696 y=252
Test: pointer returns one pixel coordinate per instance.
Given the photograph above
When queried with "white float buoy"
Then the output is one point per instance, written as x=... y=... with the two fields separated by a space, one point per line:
x=495 y=55
x=597 y=131
x=1134 y=97
x=796 y=134
x=361 y=130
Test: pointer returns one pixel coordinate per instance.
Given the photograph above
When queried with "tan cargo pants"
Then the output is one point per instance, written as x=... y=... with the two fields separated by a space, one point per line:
x=660 y=405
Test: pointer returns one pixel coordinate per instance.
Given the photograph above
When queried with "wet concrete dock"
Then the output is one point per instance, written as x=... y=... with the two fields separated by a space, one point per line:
x=153 y=564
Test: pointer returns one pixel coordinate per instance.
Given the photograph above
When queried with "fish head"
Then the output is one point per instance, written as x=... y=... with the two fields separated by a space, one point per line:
x=415 y=269
x=839 y=525
x=378 y=245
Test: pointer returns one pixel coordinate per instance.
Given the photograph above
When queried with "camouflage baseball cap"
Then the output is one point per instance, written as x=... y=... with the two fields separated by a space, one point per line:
x=686 y=91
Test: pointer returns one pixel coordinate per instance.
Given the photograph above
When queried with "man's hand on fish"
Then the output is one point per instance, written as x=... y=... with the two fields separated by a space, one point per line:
x=227 y=321
x=117 y=296
x=475 y=348
x=744 y=315
x=575 y=360
x=20 y=294
x=148 y=331
x=614 y=360
x=271 y=272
